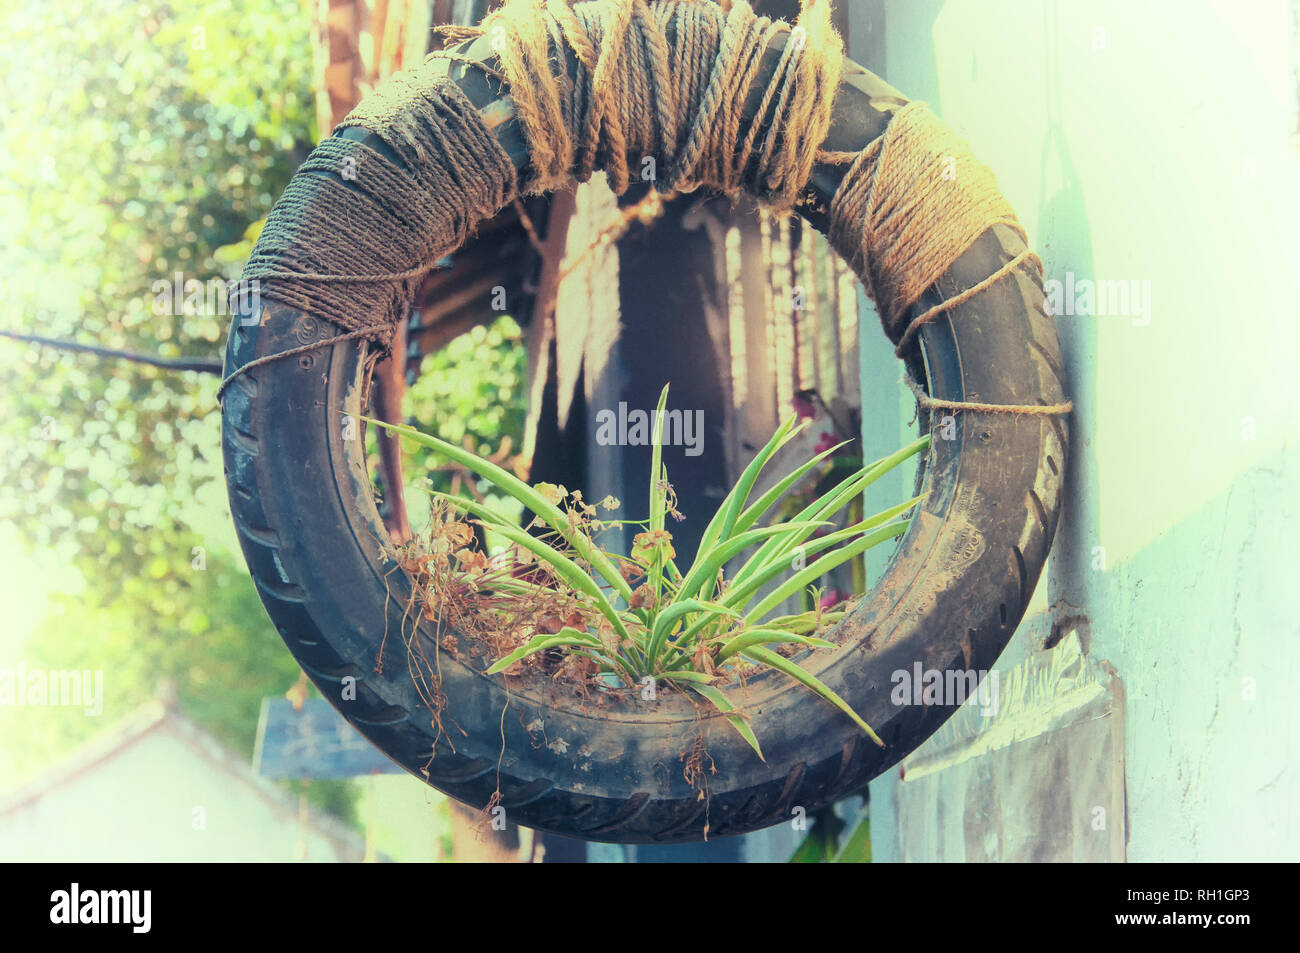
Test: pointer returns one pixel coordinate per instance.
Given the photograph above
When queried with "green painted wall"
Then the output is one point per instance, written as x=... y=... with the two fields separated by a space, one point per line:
x=1154 y=142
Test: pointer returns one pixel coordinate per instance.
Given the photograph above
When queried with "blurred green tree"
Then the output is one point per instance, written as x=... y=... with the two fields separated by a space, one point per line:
x=144 y=144
x=144 y=150
x=137 y=150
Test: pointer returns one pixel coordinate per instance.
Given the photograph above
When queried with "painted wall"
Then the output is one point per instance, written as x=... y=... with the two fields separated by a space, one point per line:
x=159 y=798
x=1153 y=143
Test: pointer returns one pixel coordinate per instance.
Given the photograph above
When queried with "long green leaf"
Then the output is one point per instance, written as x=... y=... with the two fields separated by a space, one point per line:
x=808 y=680
x=804 y=622
x=816 y=570
x=708 y=563
x=702 y=677
x=657 y=496
x=765 y=636
x=508 y=483
x=756 y=510
x=568 y=570
x=779 y=560
x=669 y=617
x=750 y=476
x=724 y=705
x=730 y=506
x=824 y=507
x=842 y=490
x=564 y=638
x=738 y=596
x=837 y=498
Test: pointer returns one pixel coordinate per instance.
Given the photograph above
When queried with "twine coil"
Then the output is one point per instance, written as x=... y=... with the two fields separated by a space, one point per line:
x=623 y=85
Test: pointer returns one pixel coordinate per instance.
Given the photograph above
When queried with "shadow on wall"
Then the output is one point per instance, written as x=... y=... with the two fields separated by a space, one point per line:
x=1065 y=244
x=1063 y=239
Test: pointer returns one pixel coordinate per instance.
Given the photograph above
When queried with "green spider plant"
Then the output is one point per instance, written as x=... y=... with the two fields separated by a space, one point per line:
x=694 y=627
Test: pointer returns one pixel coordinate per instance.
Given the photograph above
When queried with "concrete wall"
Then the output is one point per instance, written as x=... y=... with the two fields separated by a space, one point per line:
x=1154 y=142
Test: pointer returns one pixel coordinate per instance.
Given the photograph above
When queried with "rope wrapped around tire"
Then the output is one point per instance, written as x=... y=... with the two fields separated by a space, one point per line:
x=721 y=99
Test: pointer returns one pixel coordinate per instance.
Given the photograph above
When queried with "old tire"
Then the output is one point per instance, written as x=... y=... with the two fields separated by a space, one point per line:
x=950 y=599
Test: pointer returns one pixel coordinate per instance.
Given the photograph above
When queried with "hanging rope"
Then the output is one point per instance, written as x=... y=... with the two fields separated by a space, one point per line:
x=911 y=203
x=926 y=402
x=642 y=90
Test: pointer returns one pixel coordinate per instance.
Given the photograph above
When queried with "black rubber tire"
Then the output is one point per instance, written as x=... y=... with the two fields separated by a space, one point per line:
x=951 y=597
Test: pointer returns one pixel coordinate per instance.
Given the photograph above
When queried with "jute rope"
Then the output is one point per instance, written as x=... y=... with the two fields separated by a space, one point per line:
x=616 y=85
x=926 y=402
x=910 y=205
x=340 y=242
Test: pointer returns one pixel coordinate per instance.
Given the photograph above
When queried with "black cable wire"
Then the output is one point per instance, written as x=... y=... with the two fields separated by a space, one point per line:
x=199 y=365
